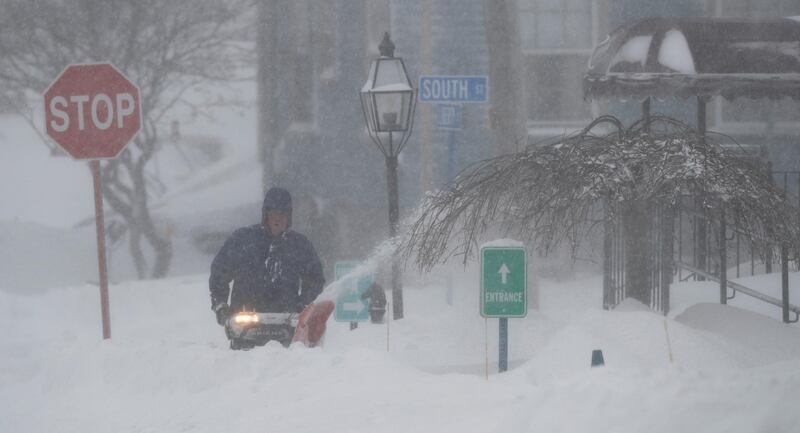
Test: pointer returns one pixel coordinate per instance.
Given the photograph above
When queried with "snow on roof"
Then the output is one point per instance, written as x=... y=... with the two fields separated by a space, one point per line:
x=633 y=51
x=394 y=87
x=500 y=243
x=698 y=56
x=674 y=53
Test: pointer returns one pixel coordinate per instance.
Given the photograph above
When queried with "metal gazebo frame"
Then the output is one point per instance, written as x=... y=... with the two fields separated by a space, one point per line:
x=697 y=57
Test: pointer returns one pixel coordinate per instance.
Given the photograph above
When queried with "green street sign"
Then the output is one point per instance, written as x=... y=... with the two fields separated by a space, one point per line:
x=349 y=305
x=504 y=282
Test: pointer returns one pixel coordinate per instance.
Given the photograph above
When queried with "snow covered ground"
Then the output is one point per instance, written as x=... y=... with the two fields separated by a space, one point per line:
x=168 y=369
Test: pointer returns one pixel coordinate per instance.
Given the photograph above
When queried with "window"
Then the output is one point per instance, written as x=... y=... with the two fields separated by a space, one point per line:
x=761 y=110
x=557 y=39
x=757 y=8
x=555 y=24
x=555 y=82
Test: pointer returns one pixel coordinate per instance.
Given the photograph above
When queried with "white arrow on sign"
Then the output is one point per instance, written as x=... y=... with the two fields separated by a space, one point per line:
x=504 y=273
x=353 y=306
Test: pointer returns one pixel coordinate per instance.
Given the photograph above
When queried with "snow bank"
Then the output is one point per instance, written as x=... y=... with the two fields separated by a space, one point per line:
x=168 y=367
x=757 y=339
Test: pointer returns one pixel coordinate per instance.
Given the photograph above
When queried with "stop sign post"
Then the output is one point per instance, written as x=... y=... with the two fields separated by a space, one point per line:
x=92 y=111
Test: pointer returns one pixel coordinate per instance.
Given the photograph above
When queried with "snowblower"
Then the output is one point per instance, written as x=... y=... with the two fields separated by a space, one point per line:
x=249 y=329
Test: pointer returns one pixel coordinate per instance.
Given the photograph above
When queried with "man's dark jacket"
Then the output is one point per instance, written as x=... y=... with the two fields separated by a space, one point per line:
x=270 y=274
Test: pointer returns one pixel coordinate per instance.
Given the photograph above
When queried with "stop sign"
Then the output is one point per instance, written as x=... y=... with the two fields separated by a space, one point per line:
x=92 y=110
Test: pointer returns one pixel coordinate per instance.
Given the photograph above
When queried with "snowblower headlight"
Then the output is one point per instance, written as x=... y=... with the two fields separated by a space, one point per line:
x=245 y=318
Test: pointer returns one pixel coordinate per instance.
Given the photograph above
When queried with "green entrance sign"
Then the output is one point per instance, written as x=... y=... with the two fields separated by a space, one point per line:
x=504 y=282
x=349 y=305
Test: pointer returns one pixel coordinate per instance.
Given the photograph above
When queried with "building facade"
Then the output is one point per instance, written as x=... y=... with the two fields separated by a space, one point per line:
x=558 y=37
x=329 y=156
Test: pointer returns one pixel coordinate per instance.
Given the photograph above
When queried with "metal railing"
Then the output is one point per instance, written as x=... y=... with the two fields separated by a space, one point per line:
x=744 y=289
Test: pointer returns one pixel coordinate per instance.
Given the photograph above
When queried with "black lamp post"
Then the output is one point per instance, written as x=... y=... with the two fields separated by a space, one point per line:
x=388 y=101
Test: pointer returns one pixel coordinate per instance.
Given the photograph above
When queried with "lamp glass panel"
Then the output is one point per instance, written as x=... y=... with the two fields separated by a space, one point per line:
x=390 y=71
x=369 y=110
x=371 y=76
x=392 y=109
x=405 y=108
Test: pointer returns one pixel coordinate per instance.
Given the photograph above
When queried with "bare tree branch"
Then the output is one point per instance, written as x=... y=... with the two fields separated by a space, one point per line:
x=550 y=193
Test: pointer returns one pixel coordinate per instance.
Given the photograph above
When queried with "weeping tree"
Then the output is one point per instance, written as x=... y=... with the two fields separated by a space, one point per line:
x=168 y=48
x=555 y=193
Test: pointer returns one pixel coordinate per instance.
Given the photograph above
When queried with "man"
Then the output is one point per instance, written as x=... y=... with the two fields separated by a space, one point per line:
x=377 y=302
x=273 y=268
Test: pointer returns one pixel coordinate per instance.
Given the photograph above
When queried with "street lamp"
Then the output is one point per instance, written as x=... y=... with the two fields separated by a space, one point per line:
x=388 y=102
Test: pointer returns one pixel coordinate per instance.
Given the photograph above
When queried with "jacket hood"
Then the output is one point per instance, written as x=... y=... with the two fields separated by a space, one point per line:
x=277 y=199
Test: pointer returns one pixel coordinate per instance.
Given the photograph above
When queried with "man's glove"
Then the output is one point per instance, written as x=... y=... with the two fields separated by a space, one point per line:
x=223 y=313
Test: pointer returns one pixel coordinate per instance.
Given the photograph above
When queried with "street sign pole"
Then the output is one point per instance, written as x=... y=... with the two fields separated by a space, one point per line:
x=101 y=249
x=451 y=155
x=503 y=356
x=449 y=117
x=503 y=294
x=449 y=92
x=93 y=111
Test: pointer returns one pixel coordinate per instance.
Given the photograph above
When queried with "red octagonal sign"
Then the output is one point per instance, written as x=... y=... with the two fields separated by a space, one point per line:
x=92 y=111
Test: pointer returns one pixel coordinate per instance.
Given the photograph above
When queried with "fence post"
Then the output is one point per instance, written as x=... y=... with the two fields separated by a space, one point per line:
x=608 y=291
x=667 y=253
x=785 y=281
x=723 y=259
x=768 y=254
x=701 y=252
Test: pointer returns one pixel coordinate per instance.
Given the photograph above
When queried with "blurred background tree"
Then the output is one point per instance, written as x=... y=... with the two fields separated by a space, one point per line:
x=170 y=49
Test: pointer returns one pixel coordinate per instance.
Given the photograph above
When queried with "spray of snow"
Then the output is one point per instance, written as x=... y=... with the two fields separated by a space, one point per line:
x=383 y=254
